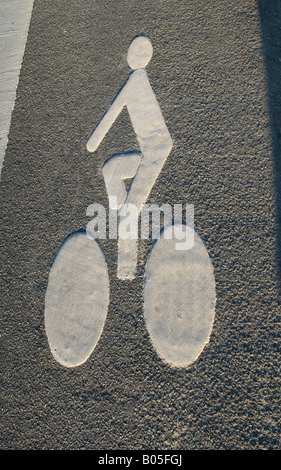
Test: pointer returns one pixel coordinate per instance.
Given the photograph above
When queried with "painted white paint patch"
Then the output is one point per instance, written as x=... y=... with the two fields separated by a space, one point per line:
x=115 y=170
x=179 y=300
x=154 y=140
x=14 y=23
x=76 y=301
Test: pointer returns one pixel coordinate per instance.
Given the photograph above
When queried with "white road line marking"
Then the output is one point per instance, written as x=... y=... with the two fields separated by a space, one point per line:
x=14 y=24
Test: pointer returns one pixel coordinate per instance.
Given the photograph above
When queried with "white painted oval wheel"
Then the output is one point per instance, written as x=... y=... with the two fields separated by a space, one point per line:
x=77 y=299
x=179 y=299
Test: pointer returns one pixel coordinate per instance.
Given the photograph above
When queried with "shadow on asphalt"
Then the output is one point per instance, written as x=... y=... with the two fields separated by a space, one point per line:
x=270 y=18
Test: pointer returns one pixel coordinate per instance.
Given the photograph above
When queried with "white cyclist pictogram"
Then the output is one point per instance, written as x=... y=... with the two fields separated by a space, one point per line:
x=154 y=141
x=179 y=285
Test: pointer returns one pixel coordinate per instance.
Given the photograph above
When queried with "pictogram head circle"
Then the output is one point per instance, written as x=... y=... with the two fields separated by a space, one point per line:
x=140 y=52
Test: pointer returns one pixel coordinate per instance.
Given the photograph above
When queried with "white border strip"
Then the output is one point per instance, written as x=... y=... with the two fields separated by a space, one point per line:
x=14 y=24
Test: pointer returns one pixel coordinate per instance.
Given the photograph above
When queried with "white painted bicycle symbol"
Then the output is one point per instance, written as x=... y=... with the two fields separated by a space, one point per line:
x=179 y=288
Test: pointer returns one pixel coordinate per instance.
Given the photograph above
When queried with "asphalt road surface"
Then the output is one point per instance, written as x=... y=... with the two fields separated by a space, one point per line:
x=214 y=71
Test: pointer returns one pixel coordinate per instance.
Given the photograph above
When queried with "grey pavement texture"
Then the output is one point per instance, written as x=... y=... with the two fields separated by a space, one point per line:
x=214 y=72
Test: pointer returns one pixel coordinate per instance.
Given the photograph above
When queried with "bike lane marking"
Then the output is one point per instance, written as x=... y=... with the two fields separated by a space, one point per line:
x=14 y=24
x=74 y=312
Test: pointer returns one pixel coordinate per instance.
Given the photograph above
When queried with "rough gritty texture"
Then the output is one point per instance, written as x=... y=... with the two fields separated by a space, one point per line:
x=209 y=74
